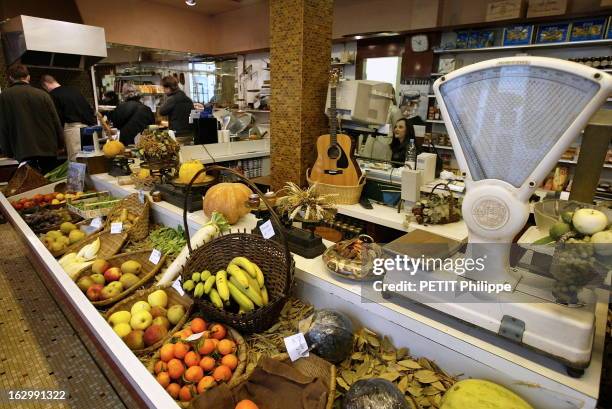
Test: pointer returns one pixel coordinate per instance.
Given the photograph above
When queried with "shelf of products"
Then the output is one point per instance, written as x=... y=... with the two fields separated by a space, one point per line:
x=591 y=43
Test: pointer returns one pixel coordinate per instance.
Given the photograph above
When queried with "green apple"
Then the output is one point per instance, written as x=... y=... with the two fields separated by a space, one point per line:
x=602 y=242
x=140 y=305
x=122 y=329
x=119 y=317
x=98 y=278
x=128 y=280
x=175 y=313
x=158 y=298
x=589 y=221
x=84 y=283
x=141 y=320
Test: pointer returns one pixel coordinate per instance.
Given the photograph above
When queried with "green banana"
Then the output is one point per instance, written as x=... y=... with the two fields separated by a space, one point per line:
x=188 y=285
x=199 y=290
x=250 y=292
x=195 y=277
x=221 y=281
x=264 y=295
x=246 y=265
x=210 y=281
x=215 y=298
x=204 y=275
x=241 y=275
x=259 y=276
x=241 y=299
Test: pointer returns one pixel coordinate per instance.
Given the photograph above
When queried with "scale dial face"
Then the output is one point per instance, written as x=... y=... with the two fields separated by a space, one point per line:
x=490 y=213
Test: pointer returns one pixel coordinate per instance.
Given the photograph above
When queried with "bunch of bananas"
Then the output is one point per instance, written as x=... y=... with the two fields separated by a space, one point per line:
x=242 y=281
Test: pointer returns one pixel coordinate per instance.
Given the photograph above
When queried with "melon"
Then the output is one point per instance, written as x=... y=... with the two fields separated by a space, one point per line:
x=481 y=394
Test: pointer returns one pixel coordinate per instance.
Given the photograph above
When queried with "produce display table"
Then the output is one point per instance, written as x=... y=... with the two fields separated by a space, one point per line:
x=460 y=351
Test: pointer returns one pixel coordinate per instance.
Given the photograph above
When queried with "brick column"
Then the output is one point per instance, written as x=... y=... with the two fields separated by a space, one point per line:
x=300 y=53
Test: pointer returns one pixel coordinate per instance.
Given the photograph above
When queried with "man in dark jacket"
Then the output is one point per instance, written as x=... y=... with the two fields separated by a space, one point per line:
x=30 y=128
x=177 y=107
x=131 y=116
x=74 y=112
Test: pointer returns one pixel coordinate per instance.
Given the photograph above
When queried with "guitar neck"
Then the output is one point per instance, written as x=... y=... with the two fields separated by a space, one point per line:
x=332 y=114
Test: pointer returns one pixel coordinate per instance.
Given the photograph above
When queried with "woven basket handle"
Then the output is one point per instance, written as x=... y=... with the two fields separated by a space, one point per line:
x=275 y=219
x=445 y=187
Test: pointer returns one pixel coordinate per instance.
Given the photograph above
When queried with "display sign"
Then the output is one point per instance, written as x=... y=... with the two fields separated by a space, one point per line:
x=296 y=346
x=116 y=227
x=76 y=176
x=96 y=222
x=155 y=256
x=542 y=8
x=178 y=287
x=505 y=10
x=588 y=30
x=518 y=35
x=552 y=33
x=267 y=230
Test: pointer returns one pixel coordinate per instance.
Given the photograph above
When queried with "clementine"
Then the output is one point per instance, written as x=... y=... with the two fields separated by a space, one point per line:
x=186 y=393
x=166 y=352
x=163 y=379
x=226 y=346
x=218 y=331
x=173 y=390
x=181 y=349
x=161 y=366
x=192 y=358
x=230 y=360
x=207 y=363
x=194 y=374
x=246 y=404
x=206 y=383
x=197 y=325
x=175 y=368
x=207 y=346
x=222 y=373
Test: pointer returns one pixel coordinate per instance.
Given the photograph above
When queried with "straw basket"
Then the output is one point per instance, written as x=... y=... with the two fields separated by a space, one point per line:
x=449 y=200
x=140 y=228
x=345 y=195
x=141 y=295
x=25 y=178
x=92 y=205
x=147 y=273
x=65 y=250
x=273 y=259
x=110 y=244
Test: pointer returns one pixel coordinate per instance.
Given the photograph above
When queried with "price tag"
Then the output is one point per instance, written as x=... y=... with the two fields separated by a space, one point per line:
x=194 y=337
x=564 y=195
x=178 y=287
x=296 y=346
x=21 y=164
x=96 y=223
x=155 y=256
x=116 y=227
x=141 y=196
x=267 y=230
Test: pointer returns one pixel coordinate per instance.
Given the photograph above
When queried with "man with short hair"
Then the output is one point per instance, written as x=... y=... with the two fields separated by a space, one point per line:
x=30 y=129
x=74 y=112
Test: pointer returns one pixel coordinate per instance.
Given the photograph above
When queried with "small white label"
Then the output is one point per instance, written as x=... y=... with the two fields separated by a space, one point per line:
x=194 y=337
x=296 y=346
x=267 y=230
x=155 y=256
x=564 y=195
x=178 y=287
x=96 y=222
x=116 y=227
x=141 y=196
x=21 y=164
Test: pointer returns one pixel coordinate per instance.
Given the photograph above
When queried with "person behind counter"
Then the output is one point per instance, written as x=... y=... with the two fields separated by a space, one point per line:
x=131 y=116
x=74 y=112
x=30 y=129
x=402 y=135
x=177 y=107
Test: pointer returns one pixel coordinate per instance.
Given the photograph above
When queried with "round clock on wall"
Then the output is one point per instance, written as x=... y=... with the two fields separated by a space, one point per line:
x=419 y=43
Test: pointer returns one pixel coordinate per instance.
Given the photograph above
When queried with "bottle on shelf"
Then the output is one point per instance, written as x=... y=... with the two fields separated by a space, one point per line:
x=411 y=155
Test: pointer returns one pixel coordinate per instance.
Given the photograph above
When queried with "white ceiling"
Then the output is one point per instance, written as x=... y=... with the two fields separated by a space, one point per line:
x=210 y=7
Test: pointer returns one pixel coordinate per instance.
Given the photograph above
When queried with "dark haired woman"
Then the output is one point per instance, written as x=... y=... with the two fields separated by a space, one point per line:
x=177 y=107
x=403 y=133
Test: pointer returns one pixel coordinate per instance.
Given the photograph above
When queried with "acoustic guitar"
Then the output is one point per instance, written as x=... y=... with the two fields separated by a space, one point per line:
x=335 y=164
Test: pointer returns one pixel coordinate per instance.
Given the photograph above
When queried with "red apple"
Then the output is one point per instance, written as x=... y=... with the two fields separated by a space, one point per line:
x=112 y=274
x=154 y=333
x=94 y=292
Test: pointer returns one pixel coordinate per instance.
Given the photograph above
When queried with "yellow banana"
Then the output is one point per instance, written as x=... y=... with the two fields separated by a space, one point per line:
x=259 y=276
x=240 y=274
x=195 y=277
x=221 y=281
x=242 y=300
x=215 y=298
x=245 y=264
x=199 y=290
x=204 y=275
x=250 y=292
x=210 y=281
x=264 y=295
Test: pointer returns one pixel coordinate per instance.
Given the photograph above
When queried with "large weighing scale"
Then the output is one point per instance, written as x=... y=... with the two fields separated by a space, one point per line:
x=510 y=120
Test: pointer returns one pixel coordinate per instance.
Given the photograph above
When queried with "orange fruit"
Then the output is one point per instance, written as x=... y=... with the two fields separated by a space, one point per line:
x=161 y=366
x=230 y=360
x=194 y=374
x=226 y=346
x=181 y=349
x=186 y=393
x=222 y=373
x=163 y=378
x=175 y=368
x=184 y=333
x=166 y=352
x=192 y=359
x=215 y=341
x=206 y=383
x=197 y=325
x=173 y=390
x=218 y=331
x=207 y=363
x=246 y=404
x=207 y=346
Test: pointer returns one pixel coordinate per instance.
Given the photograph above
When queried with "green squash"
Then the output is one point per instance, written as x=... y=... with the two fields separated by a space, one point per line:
x=481 y=394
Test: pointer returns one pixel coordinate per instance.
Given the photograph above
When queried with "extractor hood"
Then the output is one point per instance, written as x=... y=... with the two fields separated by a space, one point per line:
x=51 y=43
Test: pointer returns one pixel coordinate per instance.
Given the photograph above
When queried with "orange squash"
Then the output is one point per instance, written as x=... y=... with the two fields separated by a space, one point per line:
x=229 y=199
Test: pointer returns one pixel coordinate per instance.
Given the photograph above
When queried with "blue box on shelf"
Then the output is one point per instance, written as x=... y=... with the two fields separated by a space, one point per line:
x=552 y=33
x=462 y=39
x=588 y=29
x=520 y=34
x=609 y=35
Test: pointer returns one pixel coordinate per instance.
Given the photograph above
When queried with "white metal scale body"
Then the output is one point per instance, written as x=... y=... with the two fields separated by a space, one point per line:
x=509 y=121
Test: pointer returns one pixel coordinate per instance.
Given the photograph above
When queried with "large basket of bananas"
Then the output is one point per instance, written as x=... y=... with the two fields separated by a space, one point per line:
x=240 y=279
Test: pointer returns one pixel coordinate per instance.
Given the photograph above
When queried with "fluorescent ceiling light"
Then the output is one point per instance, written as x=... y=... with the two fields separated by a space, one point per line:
x=190 y=2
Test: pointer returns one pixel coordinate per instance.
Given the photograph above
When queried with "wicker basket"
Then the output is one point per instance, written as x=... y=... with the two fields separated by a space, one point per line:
x=65 y=250
x=110 y=244
x=140 y=229
x=454 y=206
x=90 y=203
x=147 y=183
x=345 y=195
x=25 y=178
x=141 y=295
x=147 y=273
x=273 y=259
x=241 y=354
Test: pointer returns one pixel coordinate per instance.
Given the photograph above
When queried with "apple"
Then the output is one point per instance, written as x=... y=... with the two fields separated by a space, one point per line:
x=141 y=320
x=112 y=274
x=602 y=243
x=158 y=298
x=128 y=280
x=112 y=290
x=154 y=334
x=122 y=329
x=175 y=313
x=119 y=317
x=134 y=340
x=98 y=278
x=162 y=321
x=85 y=282
x=589 y=221
x=140 y=305
x=94 y=292
x=100 y=266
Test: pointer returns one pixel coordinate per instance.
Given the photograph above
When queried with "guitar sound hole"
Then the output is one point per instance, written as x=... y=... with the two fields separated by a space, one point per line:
x=334 y=152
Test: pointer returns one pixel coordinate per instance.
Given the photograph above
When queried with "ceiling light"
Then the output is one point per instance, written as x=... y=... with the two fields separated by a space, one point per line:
x=191 y=2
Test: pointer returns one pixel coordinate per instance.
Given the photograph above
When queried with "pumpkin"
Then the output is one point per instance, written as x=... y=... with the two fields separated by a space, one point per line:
x=481 y=394
x=113 y=148
x=189 y=169
x=229 y=199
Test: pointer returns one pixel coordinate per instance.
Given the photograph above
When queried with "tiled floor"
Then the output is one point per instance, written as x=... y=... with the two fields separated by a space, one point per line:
x=39 y=350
